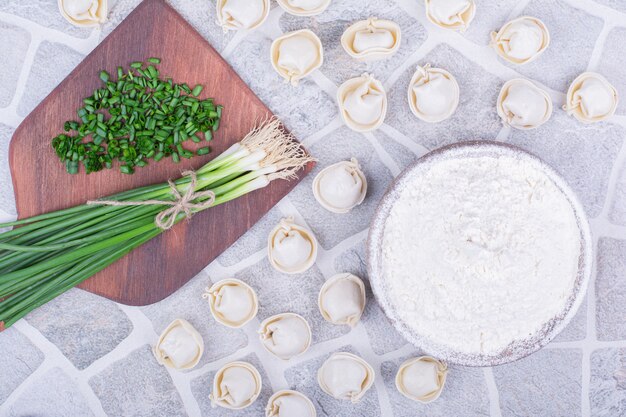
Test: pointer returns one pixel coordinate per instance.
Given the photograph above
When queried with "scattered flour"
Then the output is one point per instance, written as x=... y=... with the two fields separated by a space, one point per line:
x=480 y=252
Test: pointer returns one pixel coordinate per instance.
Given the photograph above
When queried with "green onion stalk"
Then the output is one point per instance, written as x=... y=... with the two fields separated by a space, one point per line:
x=53 y=252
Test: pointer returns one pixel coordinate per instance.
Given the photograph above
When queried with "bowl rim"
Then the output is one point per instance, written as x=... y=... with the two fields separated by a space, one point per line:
x=517 y=349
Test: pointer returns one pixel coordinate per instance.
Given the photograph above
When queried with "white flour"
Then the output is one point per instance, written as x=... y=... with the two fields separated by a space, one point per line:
x=480 y=252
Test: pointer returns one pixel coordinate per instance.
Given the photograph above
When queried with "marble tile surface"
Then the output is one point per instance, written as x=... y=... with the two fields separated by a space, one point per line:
x=20 y=359
x=611 y=290
x=546 y=383
x=91 y=326
x=52 y=62
x=583 y=155
x=136 y=385
x=54 y=395
x=11 y=65
x=81 y=355
x=608 y=382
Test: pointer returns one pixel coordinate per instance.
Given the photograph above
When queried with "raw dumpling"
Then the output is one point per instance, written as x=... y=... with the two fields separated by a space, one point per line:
x=451 y=14
x=288 y=403
x=296 y=55
x=84 y=12
x=304 y=7
x=180 y=346
x=342 y=299
x=371 y=39
x=235 y=386
x=521 y=40
x=362 y=103
x=233 y=303
x=591 y=98
x=285 y=335
x=345 y=376
x=292 y=249
x=433 y=94
x=421 y=379
x=523 y=105
x=242 y=14
x=341 y=186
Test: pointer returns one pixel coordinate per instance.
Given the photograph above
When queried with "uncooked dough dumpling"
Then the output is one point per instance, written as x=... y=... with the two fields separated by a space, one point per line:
x=362 y=103
x=340 y=187
x=297 y=54
x=521 y=40
x=291 y=248
x=433 y=94
x=180 y=346
x=242 y=14
x=591 y=98
x=451 y=14
x=285 y=335
x=304 y=7
x=233 y=302
x=342 y=299
x=289 y=403
x=83 y=13
x=235 y=386
x=345 y=376
x=421 y=379
x=371 y=39
x=523 y=105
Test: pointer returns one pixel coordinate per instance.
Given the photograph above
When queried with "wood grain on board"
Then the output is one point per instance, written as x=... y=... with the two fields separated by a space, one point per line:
x=161 y=266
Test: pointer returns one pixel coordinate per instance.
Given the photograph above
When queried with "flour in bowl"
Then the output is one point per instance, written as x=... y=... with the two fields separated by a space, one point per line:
x=480 y=252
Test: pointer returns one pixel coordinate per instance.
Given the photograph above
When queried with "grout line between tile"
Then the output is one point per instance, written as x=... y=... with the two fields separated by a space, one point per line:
x=494 y=396
x=417 y=148
x=82 y=45
x=384 y=157
x=619 y=165
x=11 y=114
x=599 y=46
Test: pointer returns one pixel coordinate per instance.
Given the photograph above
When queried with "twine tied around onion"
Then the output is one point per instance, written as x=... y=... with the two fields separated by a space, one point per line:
x=181 y=203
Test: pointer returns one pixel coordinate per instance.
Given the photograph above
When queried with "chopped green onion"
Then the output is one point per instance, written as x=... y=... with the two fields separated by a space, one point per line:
x=132 y=116
x=126 y=169
x=197 y=90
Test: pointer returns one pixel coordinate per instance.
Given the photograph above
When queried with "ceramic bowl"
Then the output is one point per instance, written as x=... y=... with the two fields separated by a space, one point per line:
x=519 y=348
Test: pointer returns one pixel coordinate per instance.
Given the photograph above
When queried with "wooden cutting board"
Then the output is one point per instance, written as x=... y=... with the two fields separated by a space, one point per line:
x=161 y=266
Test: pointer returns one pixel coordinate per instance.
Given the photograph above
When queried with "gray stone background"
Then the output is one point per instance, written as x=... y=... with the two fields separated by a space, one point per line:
x=82 y=355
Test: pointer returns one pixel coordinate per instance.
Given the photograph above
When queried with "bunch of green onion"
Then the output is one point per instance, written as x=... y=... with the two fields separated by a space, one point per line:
x=53 y=252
